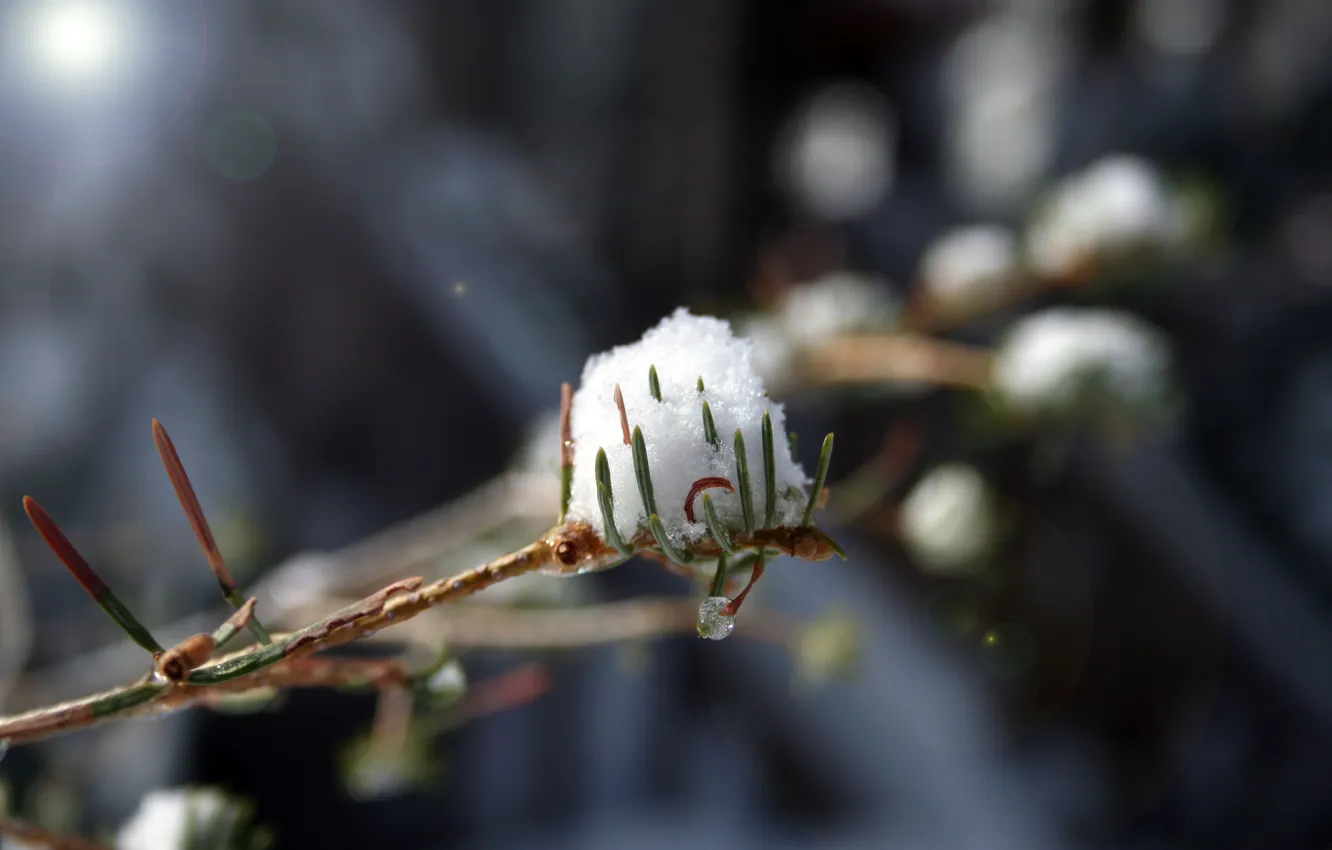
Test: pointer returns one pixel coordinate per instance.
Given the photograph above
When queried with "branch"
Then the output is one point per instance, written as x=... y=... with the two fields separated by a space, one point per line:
x=517 y=501
x=182 y=676
x=31 y=835
x=400 y=601
x=468 y=627
x=896 y=357
x=16 y=636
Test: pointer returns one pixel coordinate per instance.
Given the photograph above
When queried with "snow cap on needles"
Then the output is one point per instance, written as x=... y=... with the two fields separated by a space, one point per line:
x=695 y=359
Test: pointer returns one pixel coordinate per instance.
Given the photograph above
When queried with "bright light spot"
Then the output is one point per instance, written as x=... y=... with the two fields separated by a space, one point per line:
x=838 y=157
x=77 y=42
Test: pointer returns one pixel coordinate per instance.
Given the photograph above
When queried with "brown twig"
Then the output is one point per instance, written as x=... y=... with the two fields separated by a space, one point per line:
x=393 y=604
x=391 y=728
x=896 y=357
x=177 y=682
x=517 y=629
x=462 y=628
x=513 y=504
x=925 y=315
x=32 y=835
x=177 y=662
x=16 y=632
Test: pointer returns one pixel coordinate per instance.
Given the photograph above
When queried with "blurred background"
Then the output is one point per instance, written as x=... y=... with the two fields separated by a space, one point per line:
x=1056 y=272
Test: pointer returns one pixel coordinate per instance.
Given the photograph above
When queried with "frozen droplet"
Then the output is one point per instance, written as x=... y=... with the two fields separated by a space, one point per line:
x=447 y=684
x=713 y=624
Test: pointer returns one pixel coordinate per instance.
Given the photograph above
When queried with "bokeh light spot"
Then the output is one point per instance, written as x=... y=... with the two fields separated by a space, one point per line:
x=91 y=82
x=77 y=43
x=242 y=146
x=837 y=155
x=1008 y=651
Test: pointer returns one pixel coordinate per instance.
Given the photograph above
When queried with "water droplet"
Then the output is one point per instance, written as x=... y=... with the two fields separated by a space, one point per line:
x=1008 y=651
x=4 y=747
x=712 y=623
x=448 y=684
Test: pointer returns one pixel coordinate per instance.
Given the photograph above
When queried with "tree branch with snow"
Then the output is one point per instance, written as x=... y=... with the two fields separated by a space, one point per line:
x=673 y=461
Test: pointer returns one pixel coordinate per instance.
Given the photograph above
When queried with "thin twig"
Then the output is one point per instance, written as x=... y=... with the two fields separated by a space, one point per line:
x=462 y=628
x=896 y=357
x=520 y=501
x=31 y=835
x=15 y=618
x=517 y=629
x=177 y=662
x=393 y=604
x=391 y=728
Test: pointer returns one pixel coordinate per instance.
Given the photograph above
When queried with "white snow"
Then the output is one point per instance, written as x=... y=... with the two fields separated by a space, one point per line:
x=969 y=266
x=1049 y=359
x=683 y=347
x=1117 y=205
x=947 y=520
x=835 y=304
x=167 y=818
x=841 y=302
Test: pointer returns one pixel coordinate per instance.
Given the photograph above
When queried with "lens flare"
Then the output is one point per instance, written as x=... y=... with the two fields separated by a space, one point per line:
x=76 y=43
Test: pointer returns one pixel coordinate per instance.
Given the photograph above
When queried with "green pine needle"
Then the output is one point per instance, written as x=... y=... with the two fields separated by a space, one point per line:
x=715 y=526
x=710 y=427
x=742 y=481
x=719 y=578
x=669 y=549
x=606 y=498
x=769 y=473
x=642 y=473
x=825 y=457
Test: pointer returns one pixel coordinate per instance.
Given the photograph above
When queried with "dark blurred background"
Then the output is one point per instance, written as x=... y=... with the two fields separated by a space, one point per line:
x=347 y=251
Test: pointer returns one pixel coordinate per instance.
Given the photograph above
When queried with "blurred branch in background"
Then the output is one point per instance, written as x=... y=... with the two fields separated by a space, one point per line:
x=16 y=635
